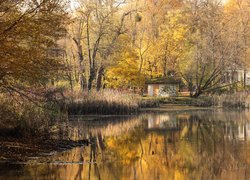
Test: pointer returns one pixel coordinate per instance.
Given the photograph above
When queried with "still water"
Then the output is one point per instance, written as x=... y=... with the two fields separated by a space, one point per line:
x=190 y=145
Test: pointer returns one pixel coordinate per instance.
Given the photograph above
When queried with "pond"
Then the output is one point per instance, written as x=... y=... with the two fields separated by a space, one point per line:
x=186 y=145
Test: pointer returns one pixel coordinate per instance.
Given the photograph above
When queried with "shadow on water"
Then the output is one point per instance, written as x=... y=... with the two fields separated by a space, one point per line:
x=195 y=145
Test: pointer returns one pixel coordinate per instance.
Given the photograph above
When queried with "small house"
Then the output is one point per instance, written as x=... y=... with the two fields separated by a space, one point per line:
x=163 y=87
x=237 y=75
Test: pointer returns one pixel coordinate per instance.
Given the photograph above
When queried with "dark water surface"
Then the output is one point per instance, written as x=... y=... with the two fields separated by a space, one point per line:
x=191 y=145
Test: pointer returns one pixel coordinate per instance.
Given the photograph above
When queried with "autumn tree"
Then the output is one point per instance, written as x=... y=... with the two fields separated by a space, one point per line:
x=213 y=46
x=172 y=41
x=123 y=71
x=144 y=34
x=99 y=25
x=29 y=31
x=195 y=39
x=239 y=12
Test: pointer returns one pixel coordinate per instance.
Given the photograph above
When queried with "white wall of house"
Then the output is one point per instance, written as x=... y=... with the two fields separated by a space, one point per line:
x=237 y=75
x=162 y=93
x=244 y=131
x=248 y=78
x=150 y=90
x=241 y=76
x=165 y=90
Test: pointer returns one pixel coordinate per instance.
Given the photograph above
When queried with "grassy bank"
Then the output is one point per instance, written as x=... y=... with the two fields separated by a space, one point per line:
x=32 y=129
x=19 y=116
x=151 y=102
x=22 y=117
x=234 y=100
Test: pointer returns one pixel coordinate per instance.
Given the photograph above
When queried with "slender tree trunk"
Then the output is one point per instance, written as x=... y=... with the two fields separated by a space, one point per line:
x=165 y=63
x=99 y=78
x=198 y=92
x=77 y=41
x=91 y=78
x=244 y=79
x=80 y=66
x=91 y=60
x=190 y=88
x=69 y=71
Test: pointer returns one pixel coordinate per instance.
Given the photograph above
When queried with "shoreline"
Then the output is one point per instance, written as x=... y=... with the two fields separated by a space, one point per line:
x=175 y=108
x=22 y=149
x=14 y=149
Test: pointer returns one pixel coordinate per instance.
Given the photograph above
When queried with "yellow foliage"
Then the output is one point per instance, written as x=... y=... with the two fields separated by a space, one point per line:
x=125 y=73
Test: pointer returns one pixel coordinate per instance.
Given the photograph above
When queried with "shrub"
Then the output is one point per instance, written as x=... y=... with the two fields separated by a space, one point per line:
x=150 y=102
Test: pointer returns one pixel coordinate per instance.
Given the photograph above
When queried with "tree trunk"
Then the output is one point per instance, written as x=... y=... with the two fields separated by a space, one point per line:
x=81 y=69
x=80 y=66
x=198 y=92
x=71 y=82
x=99 y=78
x=91 y=79
x=244 y=79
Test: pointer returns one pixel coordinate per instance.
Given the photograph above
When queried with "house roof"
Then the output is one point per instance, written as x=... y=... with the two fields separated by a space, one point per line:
x=164 y=80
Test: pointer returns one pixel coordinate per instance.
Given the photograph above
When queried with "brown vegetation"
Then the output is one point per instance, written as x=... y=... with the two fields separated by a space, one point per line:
x=102 y=102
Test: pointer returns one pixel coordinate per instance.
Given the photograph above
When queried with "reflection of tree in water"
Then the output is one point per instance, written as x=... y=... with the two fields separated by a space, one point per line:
x=206 y=146
x=199 y=145
x=80 y=129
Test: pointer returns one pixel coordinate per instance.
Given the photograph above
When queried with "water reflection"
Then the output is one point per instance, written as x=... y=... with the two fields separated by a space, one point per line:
x=197 y=145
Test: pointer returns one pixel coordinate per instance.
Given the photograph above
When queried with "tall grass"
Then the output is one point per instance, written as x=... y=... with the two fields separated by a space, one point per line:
x=102 y=102
x=151 y=102
x=239 y=100
x=235 y=100
x=229 y=100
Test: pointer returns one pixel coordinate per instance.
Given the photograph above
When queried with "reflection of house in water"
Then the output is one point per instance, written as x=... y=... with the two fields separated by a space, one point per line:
x=244 y=131
x=161 y=122
x=239 y=131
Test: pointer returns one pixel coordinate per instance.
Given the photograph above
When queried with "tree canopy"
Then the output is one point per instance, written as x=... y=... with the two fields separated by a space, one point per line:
x=120 y=44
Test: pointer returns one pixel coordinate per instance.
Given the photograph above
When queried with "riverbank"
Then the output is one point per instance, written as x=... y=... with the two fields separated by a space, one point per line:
x=174 y=108
x=239 y=100
x=116 y=149
x=13 y=149
x=21 y=149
